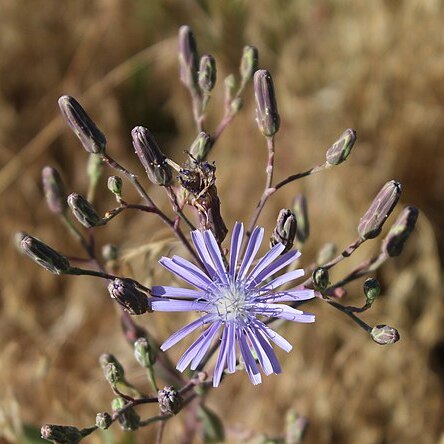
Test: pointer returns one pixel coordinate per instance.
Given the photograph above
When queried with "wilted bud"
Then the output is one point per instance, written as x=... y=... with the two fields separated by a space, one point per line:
x=285 y=230
x=326 y=253
x=371 y=223
x=400 y=231
x=84 y=128
x=113 y=374
x=188 y=58
x=212 y=426
x=300 y=211
x=170 y=401
x=130 y=296
x=110 y=252
x=150 y=156
x=201 y=146
x=249 y=63
x=296 y=427
x=54 y=190
x=83 y=211
x=340 y=150
x=372 y=289
x=103 y=420
x=320 y=278
x=115 y=185
x=267 y=116
x=384 y=334
x=129 y=420
x=61 y=434
x=207 y=73
x=144 y=353
x=45 y=256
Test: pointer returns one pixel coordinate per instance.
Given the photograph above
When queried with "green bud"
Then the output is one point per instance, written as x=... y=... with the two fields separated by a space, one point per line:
x=61 y=434
x=302 y=224
x=84 y=128
x=108 y=358
x=103 y=420
x=170 y=401
x=144 y=353
x=115 y=185
x=83 y=211
x=129 y=420
x=113 y=374
x=340 y=150
x=236 y=105
x=207 y=73
x=326 y=253
x=54 y=190
x=267 y=115
x=201 y=146
x=110 y=252
x=249 y=63
x=94 y=168
x=130 y=296
x=384 y=334
x=188 y=58
x=400 y=231
x=44 y=255
x=212 y=426
x=285 y=230
x=230 y=87
x=372 y=289
x=371 y=223
x=320 y=278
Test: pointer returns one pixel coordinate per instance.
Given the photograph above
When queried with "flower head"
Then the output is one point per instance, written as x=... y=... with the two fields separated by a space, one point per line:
x=233 y=300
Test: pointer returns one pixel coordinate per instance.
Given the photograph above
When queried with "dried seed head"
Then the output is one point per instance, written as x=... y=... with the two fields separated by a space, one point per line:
x=150 y=156
x=285 y=230
x=103 y=420
x=320 y=278
x=115 y=185
x=201 y=146
x=371 y=223
x=372 y=289
x=340 y=150
x=302 y=224
x=83 y=211
x=129 y=420
x=144 y=353
x=384 y=334
x=84 y=128
x=61 y=434
x=207 y=73
x=188 y=58
x=130 y=296
x=267 y=115
x=249 y=63
x=400 y=231
x=170 y=401
x=54 y=190
x=44 y=255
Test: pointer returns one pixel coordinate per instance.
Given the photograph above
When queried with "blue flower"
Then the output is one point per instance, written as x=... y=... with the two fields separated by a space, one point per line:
x=233 y=299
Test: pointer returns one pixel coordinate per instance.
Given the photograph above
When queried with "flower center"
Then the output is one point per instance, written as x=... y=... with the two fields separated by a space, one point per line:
x=230 y=302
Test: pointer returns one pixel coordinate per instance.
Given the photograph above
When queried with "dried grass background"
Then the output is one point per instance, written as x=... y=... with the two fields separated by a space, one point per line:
x=376 y=66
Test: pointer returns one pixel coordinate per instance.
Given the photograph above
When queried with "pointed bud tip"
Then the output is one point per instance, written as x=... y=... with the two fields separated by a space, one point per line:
x=341 y=149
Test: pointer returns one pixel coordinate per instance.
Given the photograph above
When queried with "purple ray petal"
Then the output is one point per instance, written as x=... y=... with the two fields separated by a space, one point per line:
x=262 y=356
x=176 y=305
x=268 y=349
x=275 y=337
x=280 y=263
x=236 y=240
x=265 y=261
x=189 y=266
x=282 y=311
x=199 y=243
x=184 y=273
x=252 y=249
x=214 y=251
x=209 y=336
x=221 y=359
x=288 y=296
x=286 y=277
x=231 y=358
x=250 y=363
x=176 y=292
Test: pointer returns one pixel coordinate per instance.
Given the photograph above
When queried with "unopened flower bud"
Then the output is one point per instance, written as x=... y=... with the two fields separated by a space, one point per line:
x=372 y=289
x=115 y=185
x=144 y=353
x=188 y=58
x=384 y=334
x=130 y=296
x=249 y=63
x=371 y=223
x=230 y=86
x=201 y=146
x=150 y=156
x=108 y=358
x=44 y=255
x=285 y=230
x=326 y=253
x=340 y=150
x=170 y=401
x=83 y=211
x=400 y=231
x=110 y=252
x=84 y=128
x=267 y=115
x=302 y=224
x=207 y=73
x=129 y=420
x=103 y=420
x=113 y=374
x=320 y=278
x=61 y=434
x=54 y=190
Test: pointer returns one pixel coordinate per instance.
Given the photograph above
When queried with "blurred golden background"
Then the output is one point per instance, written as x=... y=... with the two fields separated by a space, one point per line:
x=376 y=66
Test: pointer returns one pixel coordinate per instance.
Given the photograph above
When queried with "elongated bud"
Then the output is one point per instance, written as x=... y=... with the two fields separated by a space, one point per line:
x=144 y=353
x=83 y=211
x=326 y=253
x=207 y=73
x=54 y=190
x=400 y=231
x=212 y=426
x=61 y=434
x=371 y=223
x=130 y=296
x=320 y=278
x=249 y=63
x=113 y=374
x=229 y=86
x=188 y=58
x=129 y=420
x=384 y=334
x=150 y=156
x=103 y=420
x=285 y=230
x=115 y=185
x=267 y=115
x=340 y=150
x=302 y=224
x=201 y=146
x=84 y=128
x=170 y=401
x=372 y=289
x=44 y=255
